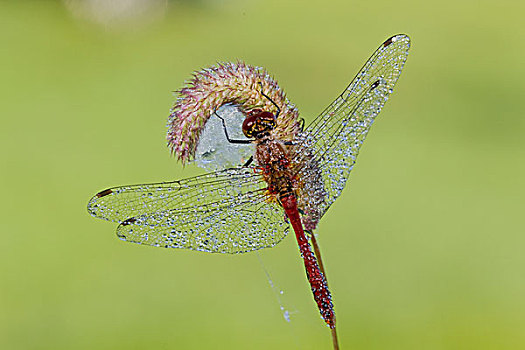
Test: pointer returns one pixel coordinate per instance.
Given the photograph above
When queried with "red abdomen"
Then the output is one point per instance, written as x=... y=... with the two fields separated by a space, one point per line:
x=315 y=276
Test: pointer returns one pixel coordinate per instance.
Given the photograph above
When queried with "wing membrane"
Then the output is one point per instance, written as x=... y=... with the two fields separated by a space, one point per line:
x=332 y=141
x=222 y=212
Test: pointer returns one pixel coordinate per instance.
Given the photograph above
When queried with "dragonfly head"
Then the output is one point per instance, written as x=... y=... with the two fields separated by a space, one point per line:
x=258 y=123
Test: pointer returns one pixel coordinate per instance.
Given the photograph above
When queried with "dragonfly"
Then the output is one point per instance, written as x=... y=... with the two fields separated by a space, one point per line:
x=288 y=183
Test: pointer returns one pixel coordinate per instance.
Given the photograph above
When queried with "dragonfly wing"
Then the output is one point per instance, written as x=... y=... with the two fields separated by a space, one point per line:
x=332 y=141
x=222 y=212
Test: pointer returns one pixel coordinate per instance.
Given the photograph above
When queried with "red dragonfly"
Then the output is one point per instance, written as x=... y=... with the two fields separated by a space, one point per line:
x=293 y=183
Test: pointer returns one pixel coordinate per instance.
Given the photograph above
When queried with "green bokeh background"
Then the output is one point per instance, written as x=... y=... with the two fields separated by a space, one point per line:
x=424 y=249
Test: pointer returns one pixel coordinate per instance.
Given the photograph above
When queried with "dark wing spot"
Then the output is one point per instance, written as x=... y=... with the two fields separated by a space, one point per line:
x=128 y=221
x=104 y=193
x=388 y=41
x=374 y=85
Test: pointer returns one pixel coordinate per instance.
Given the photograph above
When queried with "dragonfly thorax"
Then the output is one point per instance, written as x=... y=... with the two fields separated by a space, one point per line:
x=258 y=123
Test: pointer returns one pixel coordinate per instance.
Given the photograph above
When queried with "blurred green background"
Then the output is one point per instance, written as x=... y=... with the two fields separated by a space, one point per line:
x=424 y=249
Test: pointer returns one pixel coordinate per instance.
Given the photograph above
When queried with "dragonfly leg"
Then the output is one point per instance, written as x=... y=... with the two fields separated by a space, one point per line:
x=301 y=125
x=226 y=131
x=269 y=99
x=249 y=161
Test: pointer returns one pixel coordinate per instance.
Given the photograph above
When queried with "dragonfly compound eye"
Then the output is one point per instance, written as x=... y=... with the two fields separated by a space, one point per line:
x=257 y=122
x=268 y=120
x=249 y=124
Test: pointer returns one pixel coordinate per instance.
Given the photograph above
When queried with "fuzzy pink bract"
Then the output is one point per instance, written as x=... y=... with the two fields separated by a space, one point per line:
x=225 y=83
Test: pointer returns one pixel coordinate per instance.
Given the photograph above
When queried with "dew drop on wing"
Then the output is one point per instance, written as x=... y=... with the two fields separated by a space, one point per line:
x=286 y=315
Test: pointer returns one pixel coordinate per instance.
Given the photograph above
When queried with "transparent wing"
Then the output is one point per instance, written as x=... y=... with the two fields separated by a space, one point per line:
x=221 y=212
x=328 y=148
